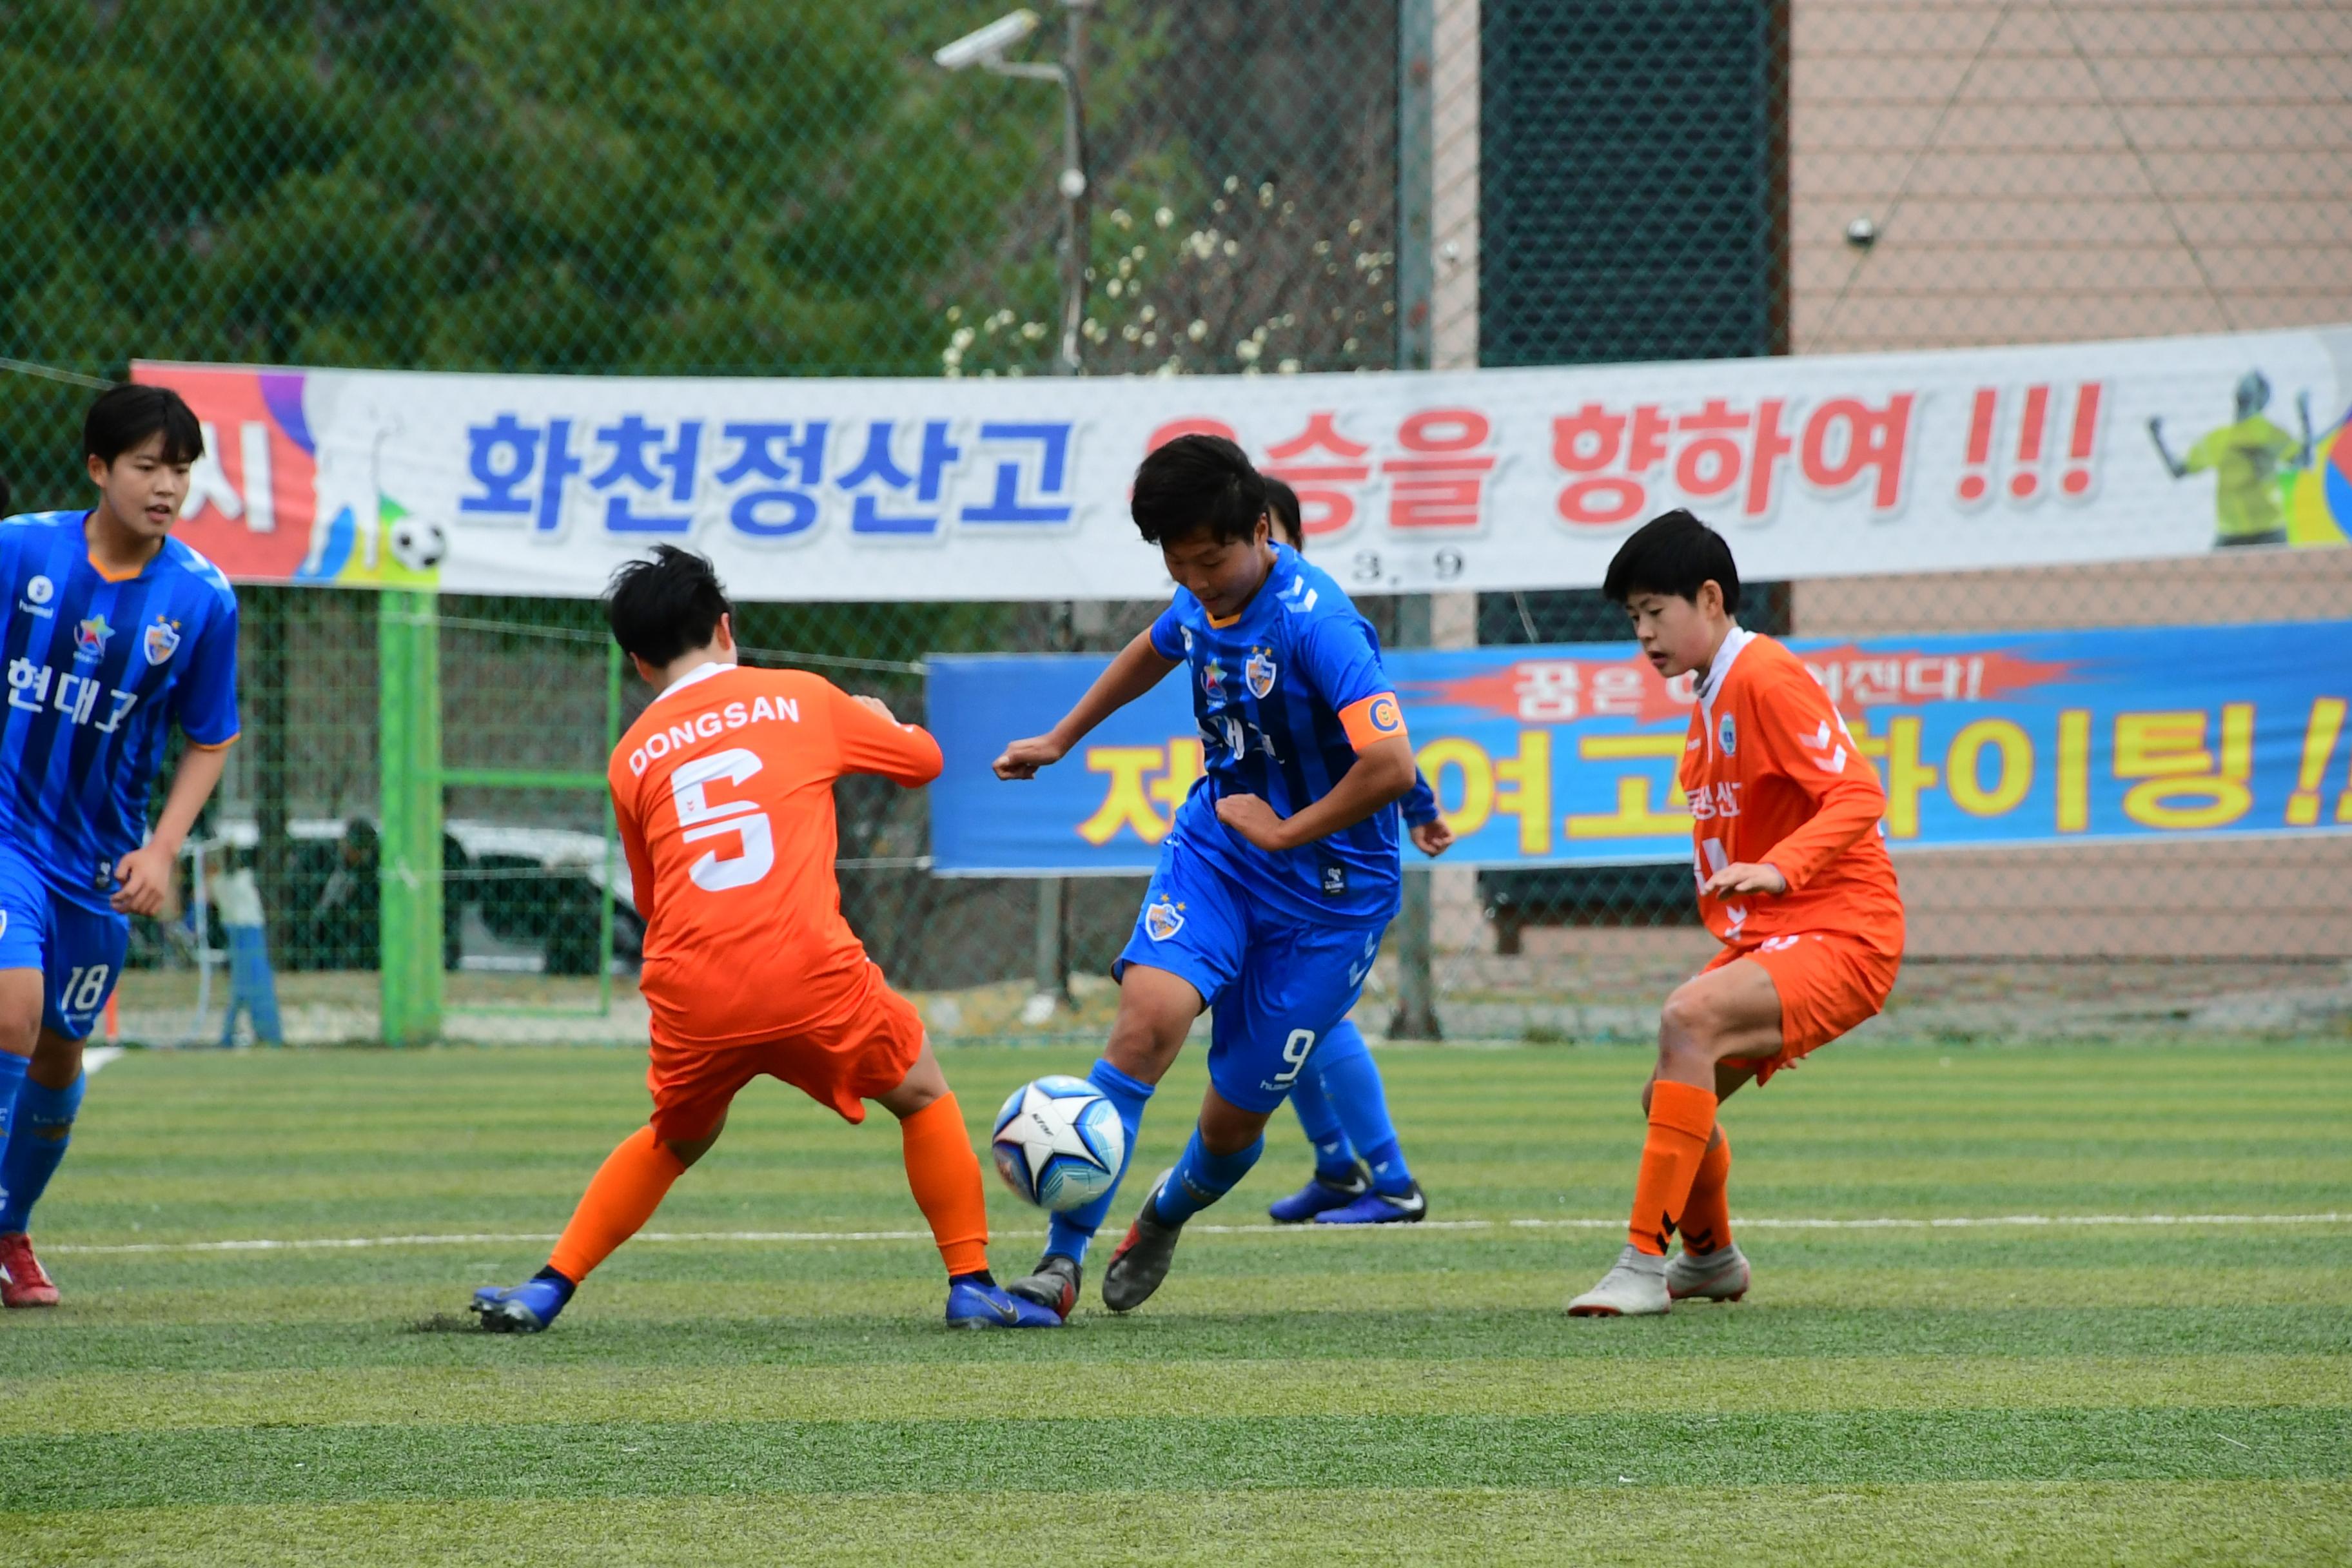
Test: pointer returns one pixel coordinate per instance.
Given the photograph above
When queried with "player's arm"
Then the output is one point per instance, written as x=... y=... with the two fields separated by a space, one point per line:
x=1423 y=819
x=1807 y=742
x=205 y=710
x=632 y=834
x=873 y=742
x=1139 y=666
x=2174 y=465
x=1383 y=775
x=144 y=876
x=1341 y=664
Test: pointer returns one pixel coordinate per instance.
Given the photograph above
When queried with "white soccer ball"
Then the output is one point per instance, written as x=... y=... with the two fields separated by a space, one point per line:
x=1058 y=1143
x=419 y=544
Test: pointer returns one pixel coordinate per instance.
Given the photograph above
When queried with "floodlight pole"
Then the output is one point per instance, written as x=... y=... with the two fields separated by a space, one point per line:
x=1075 y=186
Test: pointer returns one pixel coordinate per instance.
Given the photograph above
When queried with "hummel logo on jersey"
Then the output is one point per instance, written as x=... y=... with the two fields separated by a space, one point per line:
x=40 y=590
x=1294 y=601
x=1259 y=672
x=1818 y=741
x=89 y=638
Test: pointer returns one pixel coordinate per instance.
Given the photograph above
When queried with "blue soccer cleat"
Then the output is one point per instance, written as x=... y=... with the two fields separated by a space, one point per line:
x=525 y=1308
x=1318 y=1196
x=975 y=1306
x=1381 y=1209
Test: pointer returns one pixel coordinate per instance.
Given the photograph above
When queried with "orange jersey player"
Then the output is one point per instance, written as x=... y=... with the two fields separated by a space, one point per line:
x=1793 y=878
x=723 y=792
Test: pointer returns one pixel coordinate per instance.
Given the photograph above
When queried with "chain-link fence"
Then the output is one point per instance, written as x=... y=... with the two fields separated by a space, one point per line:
x=796 y=189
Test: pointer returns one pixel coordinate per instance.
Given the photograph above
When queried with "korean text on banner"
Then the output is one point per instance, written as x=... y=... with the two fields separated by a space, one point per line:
x=1568 y=755
x=1497 y=479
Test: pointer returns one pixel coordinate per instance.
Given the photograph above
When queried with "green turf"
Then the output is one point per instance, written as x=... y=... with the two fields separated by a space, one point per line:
x=2175 y=1394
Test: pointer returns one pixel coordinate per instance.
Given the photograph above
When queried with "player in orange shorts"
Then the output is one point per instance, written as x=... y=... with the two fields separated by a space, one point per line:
x=723 y=792
x=1793 y=878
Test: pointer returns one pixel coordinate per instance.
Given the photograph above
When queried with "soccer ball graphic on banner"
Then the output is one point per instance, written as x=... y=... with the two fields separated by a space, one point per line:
x=419 y=544
x=1058 y=1143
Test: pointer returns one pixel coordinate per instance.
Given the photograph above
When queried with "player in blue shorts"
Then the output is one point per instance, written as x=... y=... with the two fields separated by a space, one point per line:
x=1360 y=1174
x=1282 y=872
x=111 y=631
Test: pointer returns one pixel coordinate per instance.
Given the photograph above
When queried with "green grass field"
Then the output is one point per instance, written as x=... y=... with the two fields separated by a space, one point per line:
x=2010 y=1393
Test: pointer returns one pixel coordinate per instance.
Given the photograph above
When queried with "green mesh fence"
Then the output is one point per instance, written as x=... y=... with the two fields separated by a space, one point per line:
x=791 y=188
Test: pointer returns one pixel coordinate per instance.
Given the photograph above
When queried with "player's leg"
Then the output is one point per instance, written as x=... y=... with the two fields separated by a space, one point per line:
x=1188 y=943
x=82 y=956
x=691 y=1092
x=1296 y=985
x=1729 y=1012
x=1353 y=1081
x=1338 y=1180
x=21 y=991
x=943 y=1173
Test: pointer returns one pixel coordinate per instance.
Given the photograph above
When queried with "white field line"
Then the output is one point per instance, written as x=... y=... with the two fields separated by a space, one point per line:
x=96 y=1058
x=485 y=1238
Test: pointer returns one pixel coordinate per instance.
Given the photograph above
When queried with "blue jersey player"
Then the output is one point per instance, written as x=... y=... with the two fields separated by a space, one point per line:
x=1282 y=870
x=111 y=631
x=1361 y=1173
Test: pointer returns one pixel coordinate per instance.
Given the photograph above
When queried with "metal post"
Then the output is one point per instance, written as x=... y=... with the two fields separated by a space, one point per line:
x=410 y=910
x=1074 y=185
x=612 y=837
x=1416 y=1012
x=1053 y=957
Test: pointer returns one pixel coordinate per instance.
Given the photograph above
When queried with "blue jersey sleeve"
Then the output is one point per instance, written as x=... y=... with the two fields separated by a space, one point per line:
x=204 y=700
x=1343 y=663
x=1420 y=806
x=1167 y=634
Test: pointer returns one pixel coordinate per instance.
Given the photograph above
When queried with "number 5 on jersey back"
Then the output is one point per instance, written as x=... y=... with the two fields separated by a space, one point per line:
x=700 y=819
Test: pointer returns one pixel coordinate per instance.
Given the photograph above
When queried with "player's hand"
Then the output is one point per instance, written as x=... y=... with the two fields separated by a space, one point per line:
x=144 y=874
x=1255 y=820
x=1432 y=838
x=1021 y=759
x=1741 y=876
x=876 y=705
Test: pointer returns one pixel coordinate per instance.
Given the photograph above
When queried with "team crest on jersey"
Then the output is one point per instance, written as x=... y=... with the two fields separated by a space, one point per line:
x=1259 y=671
x=163 y=640
x=1162 y=920
x=1728 y=737
x=89 y=637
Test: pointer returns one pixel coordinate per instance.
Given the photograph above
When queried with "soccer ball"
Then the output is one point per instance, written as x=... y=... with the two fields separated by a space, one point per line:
x=419 y=544
x=1058 y=1143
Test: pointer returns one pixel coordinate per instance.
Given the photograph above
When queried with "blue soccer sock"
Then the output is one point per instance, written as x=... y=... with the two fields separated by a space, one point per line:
x=1335 y=1157
x=11 y=1079
x=38 y=1136
x=1202 y=1178
x=1068 y=1234
x=1353 y=1084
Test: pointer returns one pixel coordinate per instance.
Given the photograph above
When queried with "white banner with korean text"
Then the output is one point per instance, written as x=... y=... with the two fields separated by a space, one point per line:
x=1498 y=480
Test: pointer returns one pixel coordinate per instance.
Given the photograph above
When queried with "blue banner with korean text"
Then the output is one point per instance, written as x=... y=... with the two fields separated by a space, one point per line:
x=1567 y=755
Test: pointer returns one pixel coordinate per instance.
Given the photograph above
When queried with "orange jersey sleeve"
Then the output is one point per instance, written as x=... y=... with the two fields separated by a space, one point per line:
x=723 y=792
x=1805 y=738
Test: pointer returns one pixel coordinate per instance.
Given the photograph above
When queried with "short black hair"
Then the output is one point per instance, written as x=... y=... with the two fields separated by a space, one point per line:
x=125 y=417
x=1673 y=552
x=1282 y=505
x=661 y=607
x=1195 y=483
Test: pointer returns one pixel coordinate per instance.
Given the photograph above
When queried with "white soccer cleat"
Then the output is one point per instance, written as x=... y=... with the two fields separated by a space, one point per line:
x=1717 y=1276
x=1635 y=1286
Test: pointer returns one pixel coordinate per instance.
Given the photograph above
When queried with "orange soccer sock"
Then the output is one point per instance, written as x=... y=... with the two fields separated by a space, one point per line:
x=1681 y=1117
x=627 y=1189
x=945 y=1175
x=1706 y=1217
